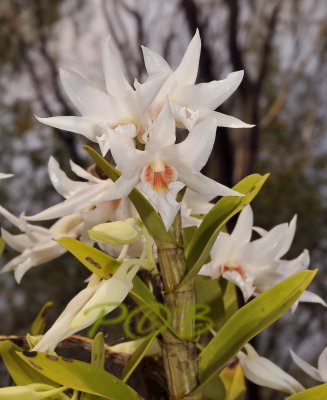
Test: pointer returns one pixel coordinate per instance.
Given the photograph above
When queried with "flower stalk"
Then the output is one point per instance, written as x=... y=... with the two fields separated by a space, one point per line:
x=179 y=353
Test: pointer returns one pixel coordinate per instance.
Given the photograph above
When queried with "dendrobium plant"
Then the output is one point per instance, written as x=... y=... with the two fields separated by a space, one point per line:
x=148 y=231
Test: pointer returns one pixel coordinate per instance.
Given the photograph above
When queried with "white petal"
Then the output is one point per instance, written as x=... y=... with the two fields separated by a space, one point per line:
x=288 y=238
x=224 y=120
x=114 y=71
x=60 y=329
x=289 y=268
x=154 y=63
x=310 y=297
x=10 y=217
x=202 y=184
x=89 y=100
x=263 y=372
x=306 y=367
x=65 y=186
x=108 y=296
x=163 y=129
x=187 y=70
x=147 y=91
x=85 y=126
x=120 y=189
x=129 y=160
x=82 y=173
x=197 y=147
x=197 y=203
x=243 y=229
x=5 y=176
x=322 y=364
x=260 y=231
x=212 y=94
x=164 y=202
x=244 y=282
x=75 y=203
x=220 y=255
x=185 y=116
x=17 y=242
x=263 y=251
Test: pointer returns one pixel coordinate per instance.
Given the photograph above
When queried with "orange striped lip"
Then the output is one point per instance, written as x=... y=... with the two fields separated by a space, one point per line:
x=159 y=180
x=237 y=268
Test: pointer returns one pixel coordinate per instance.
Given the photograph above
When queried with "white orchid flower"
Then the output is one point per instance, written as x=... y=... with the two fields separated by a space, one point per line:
x=192 y=103
x=120 y=111
x=5 y=176
x=264 y=372
x=80 y=196
x=256 y=266
x=164 y=168
x=320 y=373
x=36 y=244
x=100 y=297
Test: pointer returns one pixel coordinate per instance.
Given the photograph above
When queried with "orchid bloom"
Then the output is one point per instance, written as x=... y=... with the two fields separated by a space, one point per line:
x=121 y=110
x=100 y=297
x=79 y=196
x=256 y=266
x=320 y=373
x=36 y=245
x=192 y=103
x=164 y=168
x=264 y=372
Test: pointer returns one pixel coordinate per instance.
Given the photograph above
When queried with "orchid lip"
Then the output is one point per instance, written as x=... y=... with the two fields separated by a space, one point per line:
x=159 y=175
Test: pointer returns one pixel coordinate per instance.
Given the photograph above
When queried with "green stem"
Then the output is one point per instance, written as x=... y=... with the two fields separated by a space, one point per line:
x=179 y=355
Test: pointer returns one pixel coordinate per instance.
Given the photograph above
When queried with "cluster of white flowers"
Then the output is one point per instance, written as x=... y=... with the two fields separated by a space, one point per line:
x=138 y=125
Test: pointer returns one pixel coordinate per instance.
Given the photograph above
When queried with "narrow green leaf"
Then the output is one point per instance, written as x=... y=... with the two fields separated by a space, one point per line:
x=95 y=260
x=39 y=323
x=138 y=355
x=208 y=292
x=316 y=393
x=250 y=320
x=148 y=214
x=98 y=354
x=204 y=238
x=18 y=370
x=148 y=304
x=80 y=376
x=2 y=246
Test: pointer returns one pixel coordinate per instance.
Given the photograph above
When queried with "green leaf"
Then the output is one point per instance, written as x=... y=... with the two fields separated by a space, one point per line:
x=144 y=298
x=198 y=251
x=2 y=246
x=39 y=323
x=95 y=260
x=138 y=355
x=98 y=354
x=79 y=376
x=18 y=370
x=233 y=379
x=248 y=321
x=148 y=214
x=316 y=393
x=208 y=292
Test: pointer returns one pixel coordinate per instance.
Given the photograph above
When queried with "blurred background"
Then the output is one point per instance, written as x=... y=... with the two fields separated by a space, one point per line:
x=281 y=45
